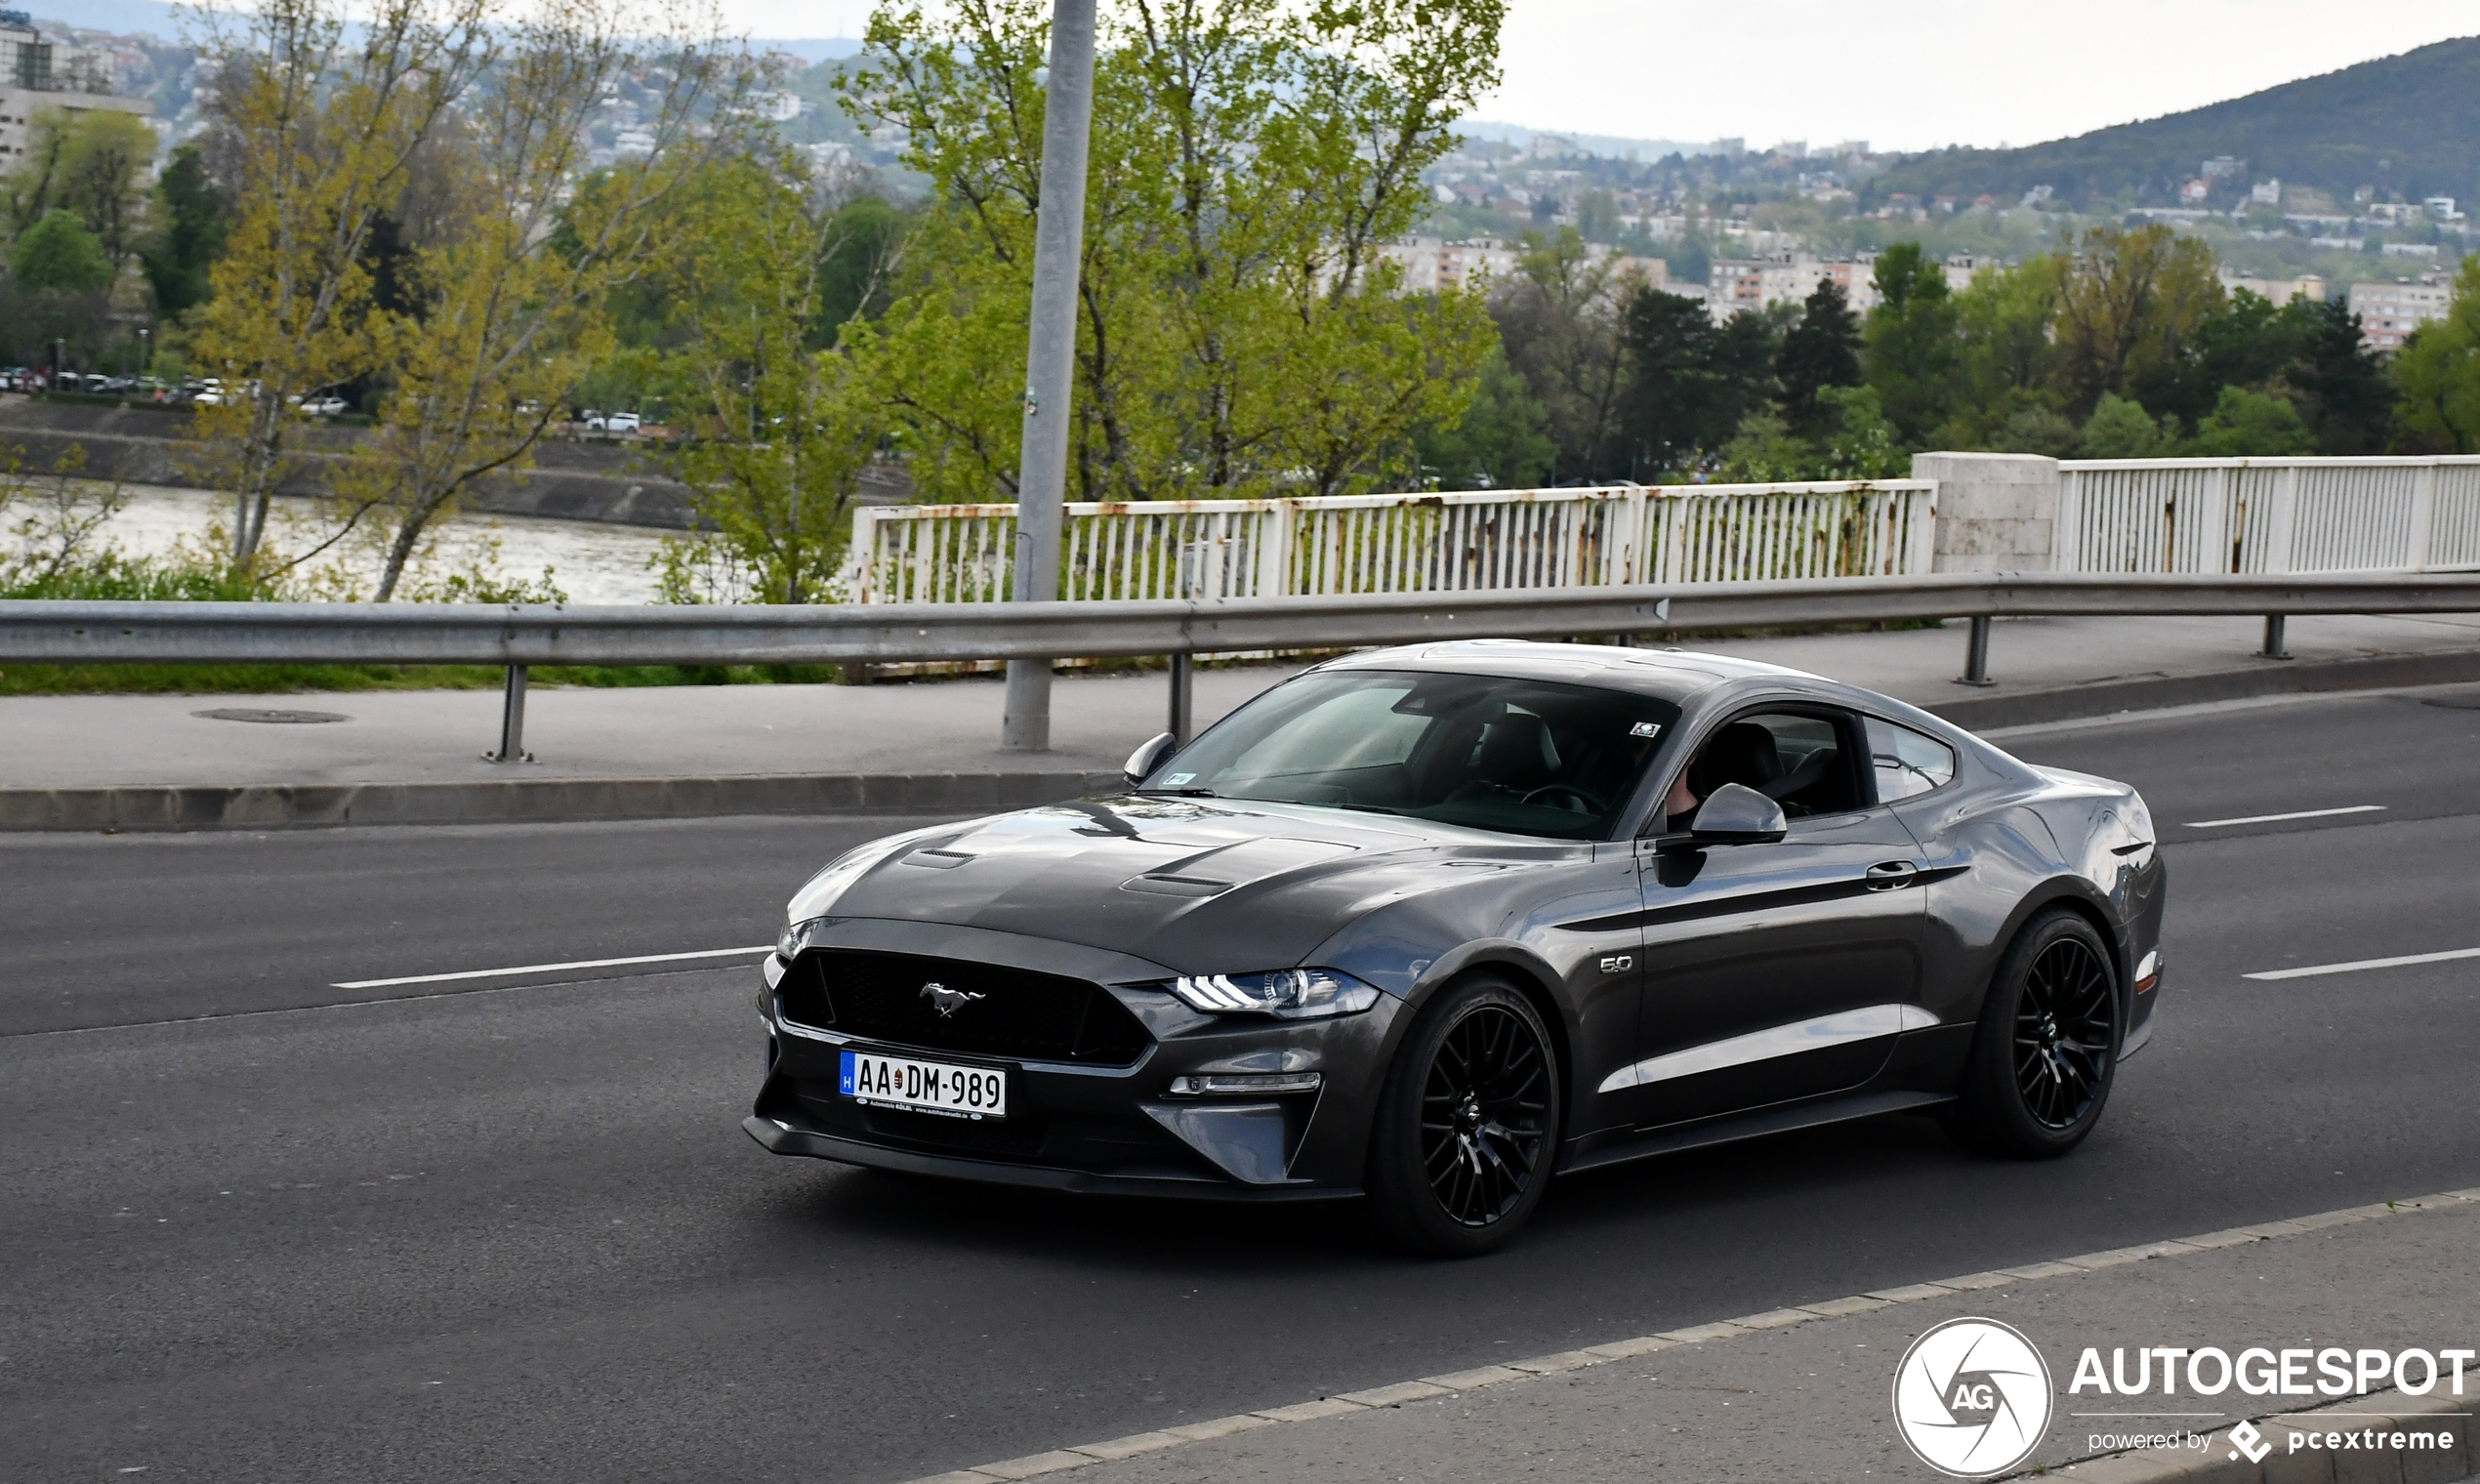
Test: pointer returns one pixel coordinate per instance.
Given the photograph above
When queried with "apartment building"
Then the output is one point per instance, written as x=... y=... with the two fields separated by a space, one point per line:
x=1755 y=283
x=2389 y=311
x=37 y=73
x=1432 y=265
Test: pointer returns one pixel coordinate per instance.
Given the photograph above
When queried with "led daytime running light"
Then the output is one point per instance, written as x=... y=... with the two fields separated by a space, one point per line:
x=1293 y=993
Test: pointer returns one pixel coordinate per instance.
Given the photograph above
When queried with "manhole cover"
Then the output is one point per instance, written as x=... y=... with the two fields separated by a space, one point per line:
x=254 y=713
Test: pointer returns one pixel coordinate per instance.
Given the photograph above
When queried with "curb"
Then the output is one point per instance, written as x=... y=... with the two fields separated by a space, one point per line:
x=2115 y=1468
x=2154 y=692
x=259 y=806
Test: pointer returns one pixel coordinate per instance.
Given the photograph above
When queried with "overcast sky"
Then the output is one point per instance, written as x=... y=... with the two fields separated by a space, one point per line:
x=1906 y=75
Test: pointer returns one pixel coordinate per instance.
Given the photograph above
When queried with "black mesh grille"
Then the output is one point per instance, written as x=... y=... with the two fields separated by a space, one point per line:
x=1019 y=1013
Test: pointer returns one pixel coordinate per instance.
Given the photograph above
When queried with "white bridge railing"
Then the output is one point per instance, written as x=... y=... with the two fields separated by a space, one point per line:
x=1419 y=543
x=2268 y=516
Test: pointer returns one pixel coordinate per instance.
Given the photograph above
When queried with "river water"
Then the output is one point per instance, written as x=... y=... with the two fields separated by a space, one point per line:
x=590 y=562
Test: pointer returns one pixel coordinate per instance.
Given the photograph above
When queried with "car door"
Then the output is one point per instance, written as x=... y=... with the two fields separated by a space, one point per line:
x=1780 y=970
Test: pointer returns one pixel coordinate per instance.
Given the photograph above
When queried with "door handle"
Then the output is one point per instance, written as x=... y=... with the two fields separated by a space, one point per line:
x=1890 y=875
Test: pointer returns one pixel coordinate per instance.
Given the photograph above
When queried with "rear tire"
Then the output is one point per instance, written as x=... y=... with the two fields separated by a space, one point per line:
x=2047 y=1052
x=1468 y=1123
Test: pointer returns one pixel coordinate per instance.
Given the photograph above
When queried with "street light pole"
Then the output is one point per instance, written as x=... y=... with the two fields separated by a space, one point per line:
x=1041 y=475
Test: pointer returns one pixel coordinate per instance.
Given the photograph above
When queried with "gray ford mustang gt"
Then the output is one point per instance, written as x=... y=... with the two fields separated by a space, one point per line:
x=1427 y=925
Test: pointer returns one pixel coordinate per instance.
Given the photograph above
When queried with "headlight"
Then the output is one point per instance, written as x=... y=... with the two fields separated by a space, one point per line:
x=1295 y=994
x=788 y=942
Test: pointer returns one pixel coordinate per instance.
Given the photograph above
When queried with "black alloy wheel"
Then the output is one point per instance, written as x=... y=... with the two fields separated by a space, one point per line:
x=2063 y=1025
x=1467 y=1126
x=2047 y=1049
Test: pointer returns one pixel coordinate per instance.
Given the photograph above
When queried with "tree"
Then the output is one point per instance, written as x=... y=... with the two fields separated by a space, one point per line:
x=59 y=253
x=2120 y=429
x=1238 y=331
x=1558 y=320
x=102 y=177
x=2009 y=360
x=1821 y=350
x=1691 y=381
x=2128 y=302
x=1502 y=442
x=783 y=431
x=320 y=132
x=2438 y=373
x=186 y=234
x=504 y=290
x=2337 y=382
x=1912 y=352
x=2245 y=423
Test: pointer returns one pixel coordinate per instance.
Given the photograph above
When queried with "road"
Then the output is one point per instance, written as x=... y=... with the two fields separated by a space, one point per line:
x=260 y=1229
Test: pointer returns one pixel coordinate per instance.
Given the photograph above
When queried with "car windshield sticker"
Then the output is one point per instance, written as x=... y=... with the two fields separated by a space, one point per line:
x=1645 y=729
x=1177 y=779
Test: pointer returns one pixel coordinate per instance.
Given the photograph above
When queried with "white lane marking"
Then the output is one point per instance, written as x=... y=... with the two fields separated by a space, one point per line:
x=526 y=968
x=2356 y=809
x=2357 y=965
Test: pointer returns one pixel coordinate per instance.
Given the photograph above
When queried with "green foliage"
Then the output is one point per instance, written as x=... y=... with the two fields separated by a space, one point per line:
x=1821 y=350
x=783 y=428
x=2438 y=374
x=2120 y=429
x=1503 y=442
x=1912 y=352
x=2036 y=428
x=2129 y=302
x=1239 y=333
x=1690 y=382
x=2245 y=423
x=2338 y=384
x=59 y=253
x=1558 y=320
x=188 y=233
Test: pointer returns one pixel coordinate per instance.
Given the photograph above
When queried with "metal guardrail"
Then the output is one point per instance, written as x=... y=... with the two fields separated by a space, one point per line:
x=447 y=634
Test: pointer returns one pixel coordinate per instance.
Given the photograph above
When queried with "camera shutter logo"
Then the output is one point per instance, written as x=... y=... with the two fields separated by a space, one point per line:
x=1972 y=1398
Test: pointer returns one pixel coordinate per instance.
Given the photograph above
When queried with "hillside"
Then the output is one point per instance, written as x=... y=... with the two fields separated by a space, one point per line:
x=2407 y=126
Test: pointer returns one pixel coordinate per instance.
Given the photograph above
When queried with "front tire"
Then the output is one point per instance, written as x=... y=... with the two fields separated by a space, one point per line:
x=2047 y=1052
x=1468 y=1123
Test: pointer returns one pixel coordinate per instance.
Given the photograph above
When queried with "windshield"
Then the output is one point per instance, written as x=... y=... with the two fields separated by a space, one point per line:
x=1525 y=757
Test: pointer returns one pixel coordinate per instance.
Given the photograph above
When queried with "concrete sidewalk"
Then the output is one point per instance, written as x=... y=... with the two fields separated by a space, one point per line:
x=154 y=761
x=1806 y=1394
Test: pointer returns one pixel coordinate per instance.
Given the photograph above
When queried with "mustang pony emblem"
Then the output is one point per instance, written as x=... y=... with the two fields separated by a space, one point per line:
x=948 y=1002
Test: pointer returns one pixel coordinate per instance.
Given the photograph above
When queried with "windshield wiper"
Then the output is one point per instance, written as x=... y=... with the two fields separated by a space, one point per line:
x=1181 y=793
x=1365 y=809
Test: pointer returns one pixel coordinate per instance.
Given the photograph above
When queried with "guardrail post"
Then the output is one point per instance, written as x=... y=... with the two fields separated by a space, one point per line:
x=512 y=721
x=1183 y=698
x=1976 y=654
x=2273 y=649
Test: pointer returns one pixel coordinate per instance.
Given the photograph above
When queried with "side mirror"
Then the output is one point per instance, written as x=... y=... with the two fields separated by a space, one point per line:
x=1149 y=757
x=1737 y=815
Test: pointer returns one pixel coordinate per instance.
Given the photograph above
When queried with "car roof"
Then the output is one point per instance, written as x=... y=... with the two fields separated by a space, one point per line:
x=1673 y=674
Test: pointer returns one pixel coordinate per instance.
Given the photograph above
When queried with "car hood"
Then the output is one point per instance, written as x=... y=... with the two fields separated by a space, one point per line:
x=1196 y=886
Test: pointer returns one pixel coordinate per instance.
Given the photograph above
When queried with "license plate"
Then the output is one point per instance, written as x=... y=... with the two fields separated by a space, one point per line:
x=924 y=1087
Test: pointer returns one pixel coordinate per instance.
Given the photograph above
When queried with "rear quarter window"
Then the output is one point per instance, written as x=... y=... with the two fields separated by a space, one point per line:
x=1906 y=762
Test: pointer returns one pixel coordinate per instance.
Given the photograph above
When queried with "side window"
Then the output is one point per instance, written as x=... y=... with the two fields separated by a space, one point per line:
x=1905 y=763
x=1796 y=759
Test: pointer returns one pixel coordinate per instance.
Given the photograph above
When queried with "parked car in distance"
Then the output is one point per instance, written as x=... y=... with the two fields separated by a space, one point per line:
x=323 y=406
x=611 y=422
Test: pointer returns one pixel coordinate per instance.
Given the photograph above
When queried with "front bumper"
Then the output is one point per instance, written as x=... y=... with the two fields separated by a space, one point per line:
x=1086 y=1128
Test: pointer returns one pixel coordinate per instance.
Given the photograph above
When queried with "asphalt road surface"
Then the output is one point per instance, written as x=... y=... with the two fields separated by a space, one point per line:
x=260 y=1229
